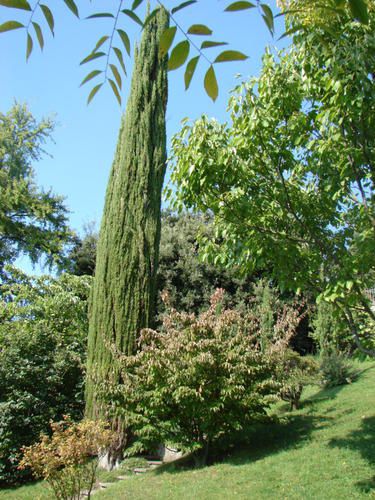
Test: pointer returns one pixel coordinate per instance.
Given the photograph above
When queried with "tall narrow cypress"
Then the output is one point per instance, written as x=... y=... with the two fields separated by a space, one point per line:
x=123 y=296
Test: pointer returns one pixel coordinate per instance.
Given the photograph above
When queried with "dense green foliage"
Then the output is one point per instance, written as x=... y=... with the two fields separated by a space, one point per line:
x=291 y=180
x=124 y=290
x=32 y=221
x=43 y=335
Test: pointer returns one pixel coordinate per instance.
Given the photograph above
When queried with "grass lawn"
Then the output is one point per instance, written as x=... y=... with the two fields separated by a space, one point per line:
x=325 y=450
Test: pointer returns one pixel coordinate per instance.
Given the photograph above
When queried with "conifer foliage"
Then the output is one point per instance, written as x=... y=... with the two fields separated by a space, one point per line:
x=123 y=297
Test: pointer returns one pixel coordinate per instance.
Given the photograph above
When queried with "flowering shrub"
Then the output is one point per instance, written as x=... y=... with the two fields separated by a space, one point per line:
x=68 y=459
x=199 y=378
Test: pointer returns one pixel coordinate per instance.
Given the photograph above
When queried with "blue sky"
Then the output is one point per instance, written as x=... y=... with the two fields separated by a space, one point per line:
x=86 y=136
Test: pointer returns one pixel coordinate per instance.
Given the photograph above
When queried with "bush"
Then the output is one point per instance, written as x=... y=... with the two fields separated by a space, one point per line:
x=68 y=459
x=336 y=369
x=43 y=324
x=199 y=378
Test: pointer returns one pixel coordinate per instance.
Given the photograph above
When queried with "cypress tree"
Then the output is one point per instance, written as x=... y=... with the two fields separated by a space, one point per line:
x=124 y=291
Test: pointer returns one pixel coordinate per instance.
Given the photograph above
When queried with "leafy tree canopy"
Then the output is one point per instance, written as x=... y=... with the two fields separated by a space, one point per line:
x=114 y=46
x=32 y=221
x=291 y=180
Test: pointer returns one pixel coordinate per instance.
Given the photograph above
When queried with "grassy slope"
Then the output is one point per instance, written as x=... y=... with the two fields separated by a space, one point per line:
x=326 y=450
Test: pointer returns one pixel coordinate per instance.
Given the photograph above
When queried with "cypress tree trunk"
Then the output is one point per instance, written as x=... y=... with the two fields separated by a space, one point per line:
x=124 y=289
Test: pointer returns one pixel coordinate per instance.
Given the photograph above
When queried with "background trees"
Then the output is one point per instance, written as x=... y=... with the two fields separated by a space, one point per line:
x=32 y=221
x=43 y=337
x=291 y=180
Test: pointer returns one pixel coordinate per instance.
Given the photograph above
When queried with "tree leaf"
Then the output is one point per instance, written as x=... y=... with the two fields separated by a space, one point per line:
x=179 y=55
x=190 y=69
x=208 y=44
x=115 y=90
x=100 y=42
x=93 y=92
x=235 y=6
x=118 y=53
x=100 y=14
x=10 y=25
x=125 y=40
x=90 y=76
x=136 y=3
x=116 y=74
x=230 y=55
x=166 y=40
x=359 y=10
x=29 y=46
x=39 y=34
x=210 y=83
x=49 y=17
x=199 y=29
x=16 y=4
x=72 y=6
x=92 y=56
x=132 y=16
x=268 y=17
x=182 y=6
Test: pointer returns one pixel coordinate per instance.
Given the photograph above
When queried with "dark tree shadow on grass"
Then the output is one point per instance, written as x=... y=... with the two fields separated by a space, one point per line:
x=256 y=442
x=363 y=441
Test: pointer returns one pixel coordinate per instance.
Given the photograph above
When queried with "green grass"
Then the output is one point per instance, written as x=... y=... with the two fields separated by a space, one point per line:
x=325 y=450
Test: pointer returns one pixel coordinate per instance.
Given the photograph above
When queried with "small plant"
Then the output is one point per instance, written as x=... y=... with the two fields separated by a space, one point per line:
x=294 y=373
x=68 y=459
x=336 y=369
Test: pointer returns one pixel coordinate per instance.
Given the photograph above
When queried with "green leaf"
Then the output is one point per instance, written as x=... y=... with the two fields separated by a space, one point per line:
x=100 y=14
x=39 y=34
x=90 y=76
x=199 y=29
x=72 y=6
x=49 y=17
x=207 y=44
x=16 y=4
x=230 y=55
x=125 y=40
x=116 y=74
x=132 y=16
x=29 y=46
x=166 y=40
x=93 y=92
x=235 y=6
x=92 y=56
x=359 y=10
x=10 y=25
x=268 y=17
x=210 y=84
x=179 y=55
x=100 y=42
x=182 y=6
x=136 y=4
x=118 y=53
x=115 y=90
x=190 y=69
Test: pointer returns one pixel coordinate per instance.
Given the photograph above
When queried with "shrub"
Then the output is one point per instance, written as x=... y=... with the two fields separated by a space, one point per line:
x=43 y=324
x=68 y=459
x=199 y=378
x=336 y=369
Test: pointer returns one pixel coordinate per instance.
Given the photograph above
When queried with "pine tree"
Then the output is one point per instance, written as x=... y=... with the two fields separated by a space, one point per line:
x=124 y=292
